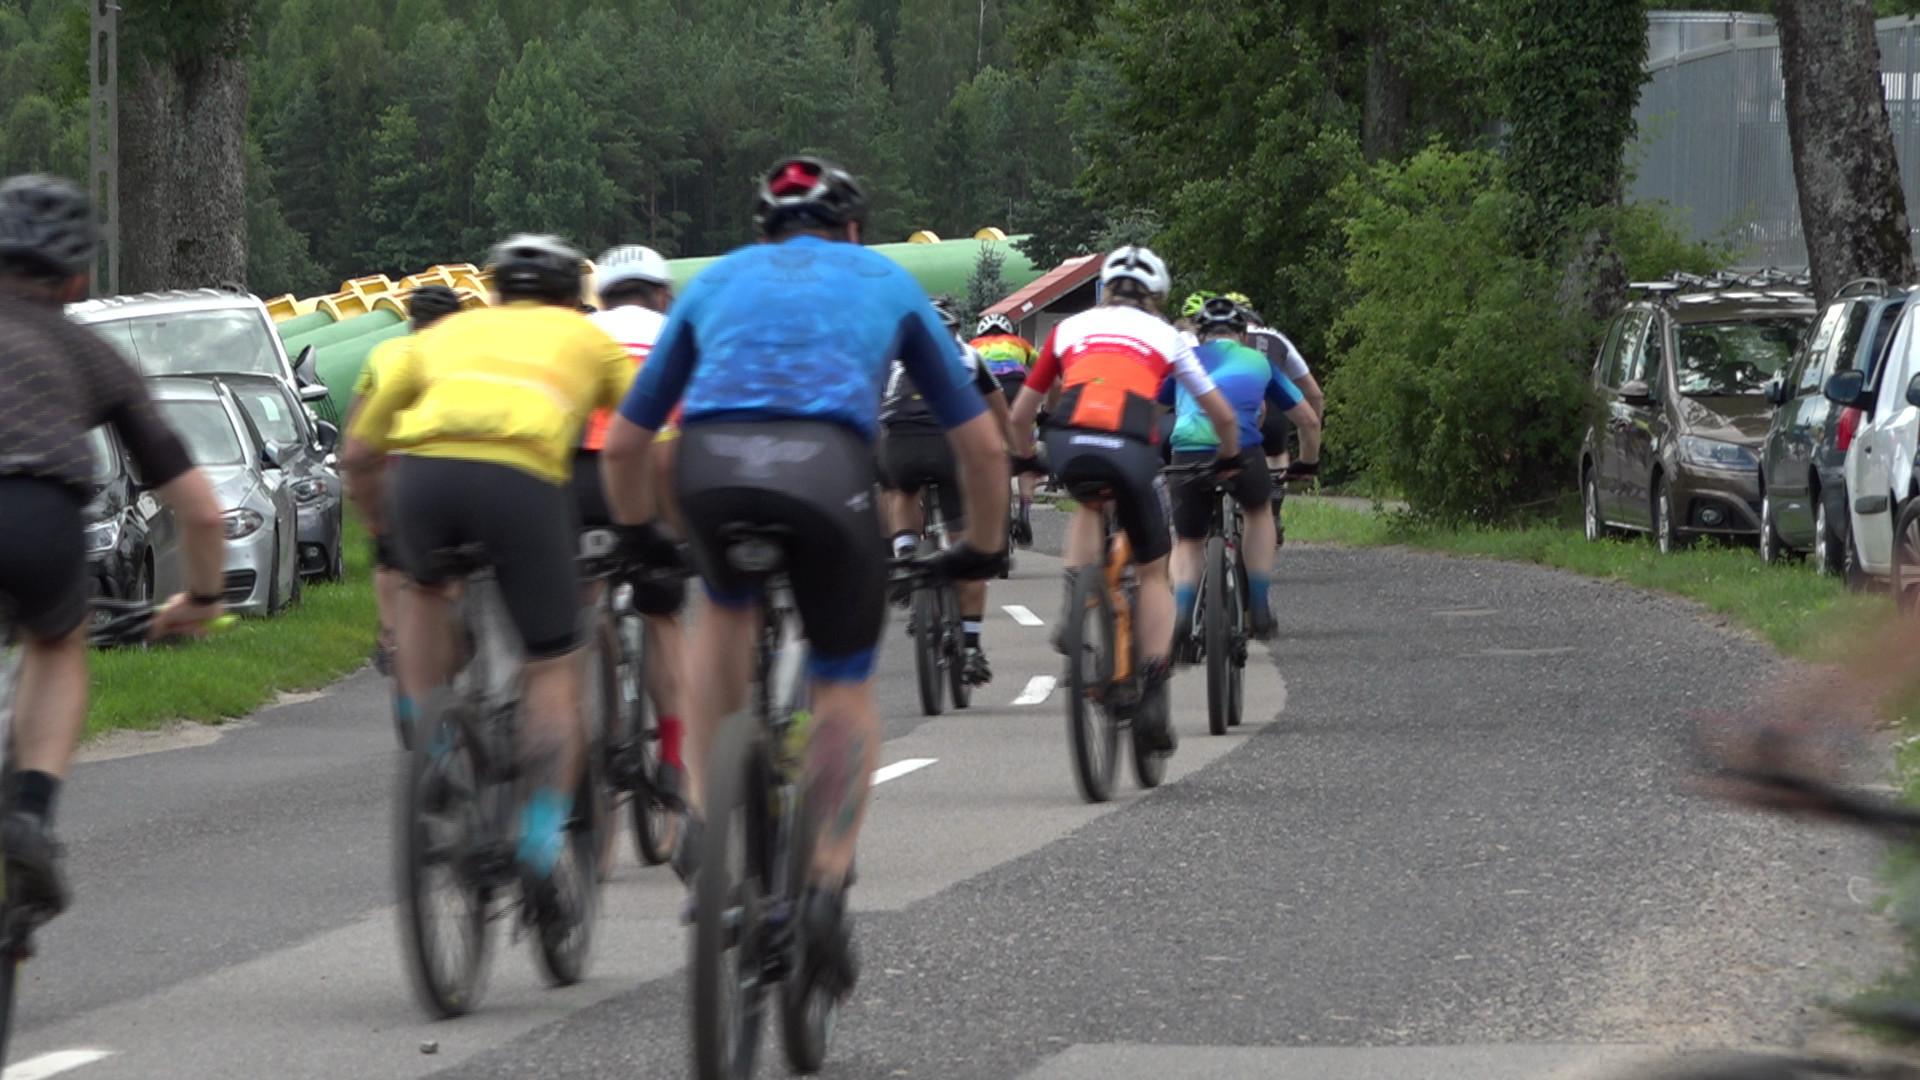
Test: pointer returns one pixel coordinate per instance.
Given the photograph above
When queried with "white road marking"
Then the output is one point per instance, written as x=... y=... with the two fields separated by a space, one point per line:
x=1037 y=691
x=52 y=1064
x=880 y=776
x=1022 y=615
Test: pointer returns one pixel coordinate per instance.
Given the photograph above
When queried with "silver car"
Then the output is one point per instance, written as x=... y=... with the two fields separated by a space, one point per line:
x=255 y=493
x=304 y=445
x=198 y=332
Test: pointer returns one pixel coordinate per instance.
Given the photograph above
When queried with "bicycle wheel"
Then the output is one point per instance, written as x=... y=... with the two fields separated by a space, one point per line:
x=609 y=727
x=9 y=978
x=443 y=902
x=733 y=895
x=954 y=648
x=562 y=947
x=655 y=823
x=1219 y=639
x=1093 y=733
x=926 y=648
x=806 y=1013
x=1238 y=684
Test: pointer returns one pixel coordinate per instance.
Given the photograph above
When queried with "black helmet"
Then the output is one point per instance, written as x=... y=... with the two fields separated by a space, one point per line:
x=1220 y=313
x=429 y=304
x=808 y=192
x=537 y=266
x=47 y=227
x=949 y=311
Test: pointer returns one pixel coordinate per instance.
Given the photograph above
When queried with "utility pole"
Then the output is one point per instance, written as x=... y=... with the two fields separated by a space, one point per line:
x=103 y=138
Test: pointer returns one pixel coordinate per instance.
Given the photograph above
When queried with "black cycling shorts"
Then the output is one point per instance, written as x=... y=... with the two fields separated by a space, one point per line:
x=43 y=557
x=589 y=497
x=1130 y=468
x=1275 y=432
x=1010 y=384
x=911 y=460
x=816 y=479
x=1193 y=495
x=525 y=523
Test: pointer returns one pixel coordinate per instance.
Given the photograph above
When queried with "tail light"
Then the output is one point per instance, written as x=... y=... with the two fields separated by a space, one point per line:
x=1849 y=427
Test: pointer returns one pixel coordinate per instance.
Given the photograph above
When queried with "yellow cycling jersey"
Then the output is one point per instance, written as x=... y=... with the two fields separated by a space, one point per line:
x=510 y=385
x=379 y=357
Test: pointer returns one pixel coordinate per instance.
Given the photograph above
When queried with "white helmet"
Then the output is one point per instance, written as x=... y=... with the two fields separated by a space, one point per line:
x=993 y=324
x=1136 y=263
x=631 y=263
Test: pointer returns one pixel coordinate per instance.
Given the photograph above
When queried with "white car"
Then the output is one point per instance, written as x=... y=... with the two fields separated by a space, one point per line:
x=1879 y=465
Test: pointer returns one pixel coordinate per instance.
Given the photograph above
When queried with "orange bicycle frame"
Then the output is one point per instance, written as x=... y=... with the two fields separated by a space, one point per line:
x=1119 y=554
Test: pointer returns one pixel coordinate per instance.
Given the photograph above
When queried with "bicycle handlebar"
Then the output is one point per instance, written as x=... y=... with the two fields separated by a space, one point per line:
x=128 y=621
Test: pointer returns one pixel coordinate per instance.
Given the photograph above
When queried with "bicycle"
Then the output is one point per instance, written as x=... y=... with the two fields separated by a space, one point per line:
x=1219 y=631
x=939 y=643
x=1103 y=685
x=459 y=803
x=758 y=843
x=622 y=722
x=110 y=623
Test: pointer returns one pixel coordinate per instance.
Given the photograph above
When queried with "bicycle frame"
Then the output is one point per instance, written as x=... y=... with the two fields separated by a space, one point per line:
x=1119 y=563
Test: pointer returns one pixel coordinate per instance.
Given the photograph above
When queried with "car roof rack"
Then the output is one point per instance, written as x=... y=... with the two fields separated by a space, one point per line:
x=1771 y=285
x=1866 y=286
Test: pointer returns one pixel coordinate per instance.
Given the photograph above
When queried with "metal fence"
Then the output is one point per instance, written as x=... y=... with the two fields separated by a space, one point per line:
x=1713 y=141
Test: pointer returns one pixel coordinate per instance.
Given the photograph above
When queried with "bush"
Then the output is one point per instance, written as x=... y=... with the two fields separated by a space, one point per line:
x=1453 y=385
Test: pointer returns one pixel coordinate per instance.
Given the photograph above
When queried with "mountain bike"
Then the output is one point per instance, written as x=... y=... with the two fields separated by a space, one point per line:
x=460 y=796
x=1103 y=684
x=748 y=939
x=1219 y=633
x=939 y=644
x=110 y=623
x=622 y=723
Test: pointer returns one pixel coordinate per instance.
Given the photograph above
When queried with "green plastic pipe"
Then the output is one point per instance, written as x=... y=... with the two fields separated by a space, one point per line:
x=344 y=330
x=939 y=268
x=301 y=324
x=339 y=364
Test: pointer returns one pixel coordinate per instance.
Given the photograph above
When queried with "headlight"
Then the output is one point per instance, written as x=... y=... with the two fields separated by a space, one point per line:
x=1714 y=454
x=103 y=536
x=242 y=523
x=309 y=489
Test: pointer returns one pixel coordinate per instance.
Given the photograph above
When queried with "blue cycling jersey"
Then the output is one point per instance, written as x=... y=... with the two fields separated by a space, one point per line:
x=803 y=329
x=1246 y=379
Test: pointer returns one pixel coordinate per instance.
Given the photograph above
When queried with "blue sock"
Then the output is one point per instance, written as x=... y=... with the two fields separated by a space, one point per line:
x=403 y=708
x=1257 y=585
x=543 y=829
x=1184 y=593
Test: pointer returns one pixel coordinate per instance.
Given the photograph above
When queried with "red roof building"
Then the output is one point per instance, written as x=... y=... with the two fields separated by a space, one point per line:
x=1067 y=289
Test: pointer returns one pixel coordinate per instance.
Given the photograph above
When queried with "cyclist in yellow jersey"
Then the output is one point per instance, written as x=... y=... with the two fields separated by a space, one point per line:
x=483 y=414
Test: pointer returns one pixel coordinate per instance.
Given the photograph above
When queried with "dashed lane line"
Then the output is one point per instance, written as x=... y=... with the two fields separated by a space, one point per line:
x=39 y=1068
x=1023 y=615
x=1039 y=688
x=880 y=776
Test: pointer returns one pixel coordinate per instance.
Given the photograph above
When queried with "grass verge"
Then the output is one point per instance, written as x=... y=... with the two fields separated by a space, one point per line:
x=234 y=672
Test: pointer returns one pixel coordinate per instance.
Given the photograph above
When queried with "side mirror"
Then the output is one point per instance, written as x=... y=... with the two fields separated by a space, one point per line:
x=1913 y=391
x=269 y=456
x=303 y=366
x=1776 y=392
x=1636 y=393
x=1849 y=388
x=328 y=434
x=313 y=392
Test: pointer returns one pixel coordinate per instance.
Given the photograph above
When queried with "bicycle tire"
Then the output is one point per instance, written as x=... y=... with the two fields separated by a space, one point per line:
x=954 y=648
x=450 y=779
x=806 y=1015
x=1219 y=637
x=730 y=906
x=562 y=959
x=926 y=649
x=1237 y=699
x=609 y=726
x=1092 y=732
x=9 y=981
x=656 y=824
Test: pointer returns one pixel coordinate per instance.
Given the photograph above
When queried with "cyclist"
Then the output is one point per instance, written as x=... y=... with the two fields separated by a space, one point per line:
x=1112 y=361
x=635 y=289
x=1009 y=357
x=777 y=353
x=1248 y=382
x=426 y=306
x=1275 y=431
x=61 y=382
x=482 y=414
x=914 y=453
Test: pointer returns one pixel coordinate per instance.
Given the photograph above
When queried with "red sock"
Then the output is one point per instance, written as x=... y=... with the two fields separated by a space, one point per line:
x=670 y=741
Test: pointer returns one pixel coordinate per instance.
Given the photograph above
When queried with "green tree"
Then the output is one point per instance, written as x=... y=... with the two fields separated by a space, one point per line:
x=404 y=205
x=541 y=171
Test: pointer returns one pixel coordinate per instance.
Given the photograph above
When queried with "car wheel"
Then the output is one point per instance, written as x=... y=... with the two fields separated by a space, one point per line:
x=1666 y=532
x=1826 y=546
x=273 y=578
x=1851 y=572
x=337 y=565
x=143 y=580
x=1590 y=499
x=1770 y=550
x=1906 y=558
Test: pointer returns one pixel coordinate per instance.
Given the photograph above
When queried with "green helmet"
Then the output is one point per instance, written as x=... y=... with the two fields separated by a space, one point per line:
x=1192 y=304
x=1240 y=298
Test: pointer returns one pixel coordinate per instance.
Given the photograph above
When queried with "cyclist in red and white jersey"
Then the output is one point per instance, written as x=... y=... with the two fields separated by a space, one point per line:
x=1111 y=362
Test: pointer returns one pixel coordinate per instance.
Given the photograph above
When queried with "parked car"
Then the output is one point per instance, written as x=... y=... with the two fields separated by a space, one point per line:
x=305 y=447
x=198 y=332
x=1879 y=464
x=1680 y=383
x=133 y=541
x=1803 y=490
x=255 y=493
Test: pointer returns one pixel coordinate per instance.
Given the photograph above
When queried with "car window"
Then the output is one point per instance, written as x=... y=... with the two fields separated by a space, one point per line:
x=106 y=459
x=1653 y=354
x=268 y=409
x=1606 y=368
x=1810 y=365
x=1626 y=355
x=1841 y=356
x=195 y=342
x=1869 y=359
x=206 y=429
x=1736 y=356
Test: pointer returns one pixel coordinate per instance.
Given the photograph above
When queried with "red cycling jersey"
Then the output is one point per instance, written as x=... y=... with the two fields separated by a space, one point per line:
x=1113 y=361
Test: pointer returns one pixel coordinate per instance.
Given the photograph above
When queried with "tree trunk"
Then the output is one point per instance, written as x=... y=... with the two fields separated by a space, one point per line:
x=1852 y=209
x=183 y=171
x=1383 y=125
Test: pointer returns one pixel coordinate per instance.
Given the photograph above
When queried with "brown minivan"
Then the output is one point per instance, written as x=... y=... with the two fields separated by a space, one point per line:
x=1680 y=384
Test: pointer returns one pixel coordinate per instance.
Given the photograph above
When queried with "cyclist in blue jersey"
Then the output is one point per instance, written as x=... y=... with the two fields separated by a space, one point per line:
x=777 y=354
x=1250 y=384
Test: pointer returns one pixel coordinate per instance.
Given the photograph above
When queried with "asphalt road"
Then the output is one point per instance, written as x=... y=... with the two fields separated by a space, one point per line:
x=1454 y=839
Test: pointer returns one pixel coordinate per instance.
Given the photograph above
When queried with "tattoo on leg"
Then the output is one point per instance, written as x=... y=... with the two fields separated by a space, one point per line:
x=833 y=774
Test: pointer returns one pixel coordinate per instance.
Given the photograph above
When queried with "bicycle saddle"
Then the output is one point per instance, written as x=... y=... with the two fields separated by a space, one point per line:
x=1091 y=490
x=459 y=561
x=756 y=549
